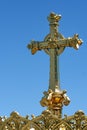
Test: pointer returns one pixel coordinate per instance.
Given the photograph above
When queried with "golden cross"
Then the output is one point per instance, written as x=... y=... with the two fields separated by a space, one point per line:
x=54 y=44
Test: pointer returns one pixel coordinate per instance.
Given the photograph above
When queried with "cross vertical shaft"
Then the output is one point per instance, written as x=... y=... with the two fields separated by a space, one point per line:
x=54 y=62
x=54 y=72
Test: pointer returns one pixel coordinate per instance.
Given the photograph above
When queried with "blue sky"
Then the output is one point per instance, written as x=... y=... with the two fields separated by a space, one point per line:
x=24 y=77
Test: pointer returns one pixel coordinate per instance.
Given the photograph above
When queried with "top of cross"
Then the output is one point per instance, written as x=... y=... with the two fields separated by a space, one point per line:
x=54 y=18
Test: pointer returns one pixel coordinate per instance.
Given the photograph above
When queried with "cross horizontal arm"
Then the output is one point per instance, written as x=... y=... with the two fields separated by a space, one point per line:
x=53 y=44
x=35 y=46
x=74 y=42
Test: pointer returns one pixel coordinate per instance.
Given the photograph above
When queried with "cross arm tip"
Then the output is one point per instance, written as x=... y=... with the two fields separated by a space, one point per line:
x=75 y=42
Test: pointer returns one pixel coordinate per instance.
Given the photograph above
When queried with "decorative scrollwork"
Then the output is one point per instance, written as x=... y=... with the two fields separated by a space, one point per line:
x=46 y=121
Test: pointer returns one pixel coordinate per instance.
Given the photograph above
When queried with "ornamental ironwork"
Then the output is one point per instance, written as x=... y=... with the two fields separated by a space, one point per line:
x=54 y=98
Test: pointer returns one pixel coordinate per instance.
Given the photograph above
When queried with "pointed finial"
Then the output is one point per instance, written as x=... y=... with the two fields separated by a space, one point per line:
x=54 y=18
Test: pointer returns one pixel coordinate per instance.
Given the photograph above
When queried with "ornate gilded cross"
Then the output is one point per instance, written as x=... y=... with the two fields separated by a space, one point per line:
x=54 y=99
x=54 y=44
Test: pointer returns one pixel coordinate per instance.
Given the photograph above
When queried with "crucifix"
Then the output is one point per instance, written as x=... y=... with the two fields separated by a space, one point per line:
x=54 y=44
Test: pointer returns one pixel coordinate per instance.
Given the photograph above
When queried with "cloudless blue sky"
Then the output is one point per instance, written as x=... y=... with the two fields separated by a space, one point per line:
x=24 y=77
